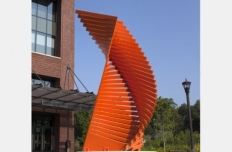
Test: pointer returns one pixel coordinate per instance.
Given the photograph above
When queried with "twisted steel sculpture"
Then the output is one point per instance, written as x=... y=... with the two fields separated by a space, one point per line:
x=127 y=94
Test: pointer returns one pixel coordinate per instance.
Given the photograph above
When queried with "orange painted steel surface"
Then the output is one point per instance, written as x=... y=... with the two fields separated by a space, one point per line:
x=127 y=94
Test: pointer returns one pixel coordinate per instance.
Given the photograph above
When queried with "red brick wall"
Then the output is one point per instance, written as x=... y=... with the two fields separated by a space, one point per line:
x=46 y=65
x=56 y=67
x=53 y=66
x=67 y=41
x=67 y=59
x=66 y=130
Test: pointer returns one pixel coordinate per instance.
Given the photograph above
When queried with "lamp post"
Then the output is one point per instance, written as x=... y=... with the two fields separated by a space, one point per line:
x=186 y=84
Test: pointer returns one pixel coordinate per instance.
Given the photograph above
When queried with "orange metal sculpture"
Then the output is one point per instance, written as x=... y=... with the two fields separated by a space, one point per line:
x=127 y=94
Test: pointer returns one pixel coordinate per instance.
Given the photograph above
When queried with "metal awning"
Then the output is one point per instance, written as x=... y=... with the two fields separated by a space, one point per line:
x=58 y=98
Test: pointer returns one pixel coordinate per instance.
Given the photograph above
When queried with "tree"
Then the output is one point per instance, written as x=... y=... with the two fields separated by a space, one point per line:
x=81 y=124
x=195 y=109
x=183 y=113
x=195 y=113
x=149 y=130
x=169 y=126
x=163 y=120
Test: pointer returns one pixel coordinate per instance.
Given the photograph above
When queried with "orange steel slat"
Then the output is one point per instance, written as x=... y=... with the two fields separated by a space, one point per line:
x=116 y=115
x=119 y=111
x=129 y=131
x=118 y=124
x=127 y=93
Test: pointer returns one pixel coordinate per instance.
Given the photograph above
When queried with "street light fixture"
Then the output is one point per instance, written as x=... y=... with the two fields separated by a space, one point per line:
x=186 y=84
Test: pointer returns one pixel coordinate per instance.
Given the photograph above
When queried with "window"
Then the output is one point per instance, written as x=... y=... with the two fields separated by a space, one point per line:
x=48 y=83
x=40 y=42
x=33 y=41
x=43 y=26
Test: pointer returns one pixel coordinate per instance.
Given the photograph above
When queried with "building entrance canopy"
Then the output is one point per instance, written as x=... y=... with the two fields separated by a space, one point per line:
x=58 y=98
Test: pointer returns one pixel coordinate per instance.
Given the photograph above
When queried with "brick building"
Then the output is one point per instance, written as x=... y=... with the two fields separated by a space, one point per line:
x=53 y=97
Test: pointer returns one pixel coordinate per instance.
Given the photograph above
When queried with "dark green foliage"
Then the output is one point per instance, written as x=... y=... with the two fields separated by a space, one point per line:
x=195 y=112
x=170 y=125
x=164 y=118
x=148 y=130
x=81 y=123
x=195 y=109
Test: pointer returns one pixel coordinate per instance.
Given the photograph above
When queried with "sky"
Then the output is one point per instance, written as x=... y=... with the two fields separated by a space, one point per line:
x=168 y=33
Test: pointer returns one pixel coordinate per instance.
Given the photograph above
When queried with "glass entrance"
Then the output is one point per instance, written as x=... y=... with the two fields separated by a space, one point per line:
x=42 y=133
